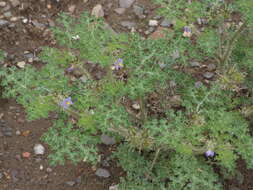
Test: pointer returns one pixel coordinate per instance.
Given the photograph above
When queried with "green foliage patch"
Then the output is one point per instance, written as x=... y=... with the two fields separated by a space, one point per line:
x=141 y=92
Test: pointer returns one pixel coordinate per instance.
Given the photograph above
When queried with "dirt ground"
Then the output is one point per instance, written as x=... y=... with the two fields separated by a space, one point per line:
x=27 y=31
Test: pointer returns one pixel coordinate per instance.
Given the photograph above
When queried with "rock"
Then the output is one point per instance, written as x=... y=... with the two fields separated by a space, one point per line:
x=39 y=149
x=18 y=133
x=49 y=170
x=157 y=17
x=79 y=180
x=38 y=25
x=102 y=173
x=232 y=187
x=208 y=75
x=26 y=154
x=15 y=3
x=166 y=23
x=25 y=20
x=2 y=4
x=136 y=106
x=107 y=140
x=120 y=11
x=7 y=14
x=3 y=23
x=128 y=24
x=195 y=64
x=153 y=23
x=85 y=1
x=21 y=64
x=14 y=19
x=139 y=11
x=70 y=183
x=7 y=131
x=211 y=67
x=98 y=11
x=113 y=187
x=126 y=3
x=72 y=8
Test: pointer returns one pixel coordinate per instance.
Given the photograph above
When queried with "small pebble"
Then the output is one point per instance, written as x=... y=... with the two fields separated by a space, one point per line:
x=166 y=23
x=208 y=75
x=49 y=170
x=113 y=187
x=195 y=64
x=98 y=11
x=211 y=67
x=26 y=154
x=18 y=133
x=120 y=11
x=70 y=183
x=102 y=173
x=153 y=23
x=39 y=149
x=2 y=4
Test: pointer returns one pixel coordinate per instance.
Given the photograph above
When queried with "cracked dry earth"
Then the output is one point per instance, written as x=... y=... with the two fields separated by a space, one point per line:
x=24 y=29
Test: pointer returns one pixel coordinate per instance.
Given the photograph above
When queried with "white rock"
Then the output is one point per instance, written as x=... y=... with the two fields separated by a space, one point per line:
x=153 y=23
x=39 y=149
x=25 y=20
x=126 y=3
x=98 y=11
x=113 y=187
x=21 y=64
x=2 y=4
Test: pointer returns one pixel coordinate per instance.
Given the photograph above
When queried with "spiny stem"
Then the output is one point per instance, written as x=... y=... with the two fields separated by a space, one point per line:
x=155 y=158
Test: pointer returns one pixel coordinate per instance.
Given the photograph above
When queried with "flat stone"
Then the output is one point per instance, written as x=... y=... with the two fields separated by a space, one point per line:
x=126 y=3
x=98 y=11
x=194 y=64
x=102 y=173
x=113 y=187
x=15 y=3
x=2 y=4
x=39 y=149
x=198 y=84
x=3 y=23
x=139 y=11
x=120 y=11
x=153 y=23
x=166 y=23
x=208 y=75
x=175 y=54
x=70 y=183
x=7 y=14
x=128 y=24
x=107 y=140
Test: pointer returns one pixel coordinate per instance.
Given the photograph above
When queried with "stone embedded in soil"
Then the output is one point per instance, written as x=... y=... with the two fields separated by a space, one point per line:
x=139 y=11
x=2 y=4
x=120 y=11
x=107 y=140
x=7 y=14
x=98 y=11
x=128 y=24
x=102 y=173
x=49 y=170
x=195 y=64
x=126 y=3
x=149 y=30
x=3 y=23
x=208 y=75
x=15 y=3
x=198 y=84
x=7 y=131
x=70 y=183
x=39 y=149
x=153 y=23
x=166 y=23
x=175 y=54
x=113 y=187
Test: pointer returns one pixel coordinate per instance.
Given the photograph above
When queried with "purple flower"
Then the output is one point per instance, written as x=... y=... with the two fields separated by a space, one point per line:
x=187 y=31
x=70 y=69
x=209 y=153
x=117 y=65
x=66 y=103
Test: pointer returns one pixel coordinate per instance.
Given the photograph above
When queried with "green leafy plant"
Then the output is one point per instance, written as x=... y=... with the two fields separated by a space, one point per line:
x=170 y=132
